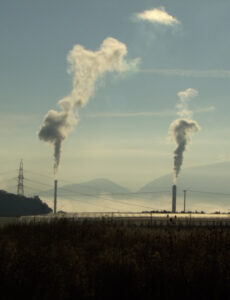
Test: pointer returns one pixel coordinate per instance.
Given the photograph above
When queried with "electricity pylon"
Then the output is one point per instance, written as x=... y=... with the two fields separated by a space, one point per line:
x=20 y=180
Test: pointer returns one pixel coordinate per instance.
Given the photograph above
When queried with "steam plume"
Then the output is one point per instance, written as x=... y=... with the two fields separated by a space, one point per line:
x=185 y=96
x=181 y=129
x=86 y=66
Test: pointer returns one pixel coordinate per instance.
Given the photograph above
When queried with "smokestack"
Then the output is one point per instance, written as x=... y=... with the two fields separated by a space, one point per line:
x=55 y=196
x=174 y=198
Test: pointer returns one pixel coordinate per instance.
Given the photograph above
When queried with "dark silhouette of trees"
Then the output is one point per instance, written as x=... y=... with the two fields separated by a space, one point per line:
x=12 y=205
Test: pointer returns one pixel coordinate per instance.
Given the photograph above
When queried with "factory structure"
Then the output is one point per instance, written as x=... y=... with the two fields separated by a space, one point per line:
x=55 y=196
x=20 y=190
x=174 y=198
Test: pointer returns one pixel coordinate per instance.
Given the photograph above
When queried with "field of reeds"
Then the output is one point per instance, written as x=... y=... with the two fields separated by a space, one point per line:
x=101 y=260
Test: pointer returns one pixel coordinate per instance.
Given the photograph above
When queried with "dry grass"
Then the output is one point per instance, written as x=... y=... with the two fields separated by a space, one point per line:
x=101 y=260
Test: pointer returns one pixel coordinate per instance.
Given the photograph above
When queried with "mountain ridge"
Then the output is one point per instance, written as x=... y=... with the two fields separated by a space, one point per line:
x=196 y=177
x=206 y=188
x=91 y=187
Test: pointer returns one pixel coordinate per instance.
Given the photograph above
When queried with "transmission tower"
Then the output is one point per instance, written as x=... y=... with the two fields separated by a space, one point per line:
x=20 y=180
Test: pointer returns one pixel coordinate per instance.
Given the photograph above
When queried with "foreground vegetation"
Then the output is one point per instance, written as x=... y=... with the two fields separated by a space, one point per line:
x=101 y=260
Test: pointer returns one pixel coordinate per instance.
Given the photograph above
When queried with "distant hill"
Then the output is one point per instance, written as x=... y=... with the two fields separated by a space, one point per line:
x=208 y=189
x=207 y=186
x=97 y=186
x=12 y=205
x=212 y=178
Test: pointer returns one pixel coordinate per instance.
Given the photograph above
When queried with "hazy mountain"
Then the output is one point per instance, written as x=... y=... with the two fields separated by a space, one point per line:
x=210 y=178
x=93 y=187
x=205 y=185
x=206 y=188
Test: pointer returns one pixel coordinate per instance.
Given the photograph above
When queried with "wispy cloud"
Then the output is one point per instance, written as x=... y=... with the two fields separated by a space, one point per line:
x=204 y=109
x=131 y=114
x=106 y=151
x=18 y=118
x=163 y=113
x=10 y=122
x=157 y=15
x=188 y=73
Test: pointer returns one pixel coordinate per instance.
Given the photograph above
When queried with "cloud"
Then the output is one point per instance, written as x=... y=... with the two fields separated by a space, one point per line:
x=158 y=16
x=131 y=114
x=204 y=109
x=110 y=151
x=163 y=113
x=223 y=157
x=188 y=73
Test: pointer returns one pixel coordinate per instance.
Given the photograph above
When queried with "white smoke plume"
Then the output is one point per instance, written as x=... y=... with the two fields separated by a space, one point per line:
x=185 y=96
x=181 y=129
x=86 y=66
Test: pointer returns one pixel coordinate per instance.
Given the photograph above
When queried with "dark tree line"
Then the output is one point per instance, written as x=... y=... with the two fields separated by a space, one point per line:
x=12 y=205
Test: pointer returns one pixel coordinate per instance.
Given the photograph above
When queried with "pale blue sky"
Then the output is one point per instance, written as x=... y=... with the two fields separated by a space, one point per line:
x=111 y=140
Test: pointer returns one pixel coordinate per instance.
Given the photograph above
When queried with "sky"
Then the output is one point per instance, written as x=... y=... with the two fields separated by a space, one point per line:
x=122 y=132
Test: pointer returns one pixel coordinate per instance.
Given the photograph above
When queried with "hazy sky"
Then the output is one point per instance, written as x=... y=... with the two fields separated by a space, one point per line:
x=123 y=130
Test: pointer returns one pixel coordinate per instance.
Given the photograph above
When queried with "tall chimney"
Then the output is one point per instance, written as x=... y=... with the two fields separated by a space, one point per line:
x=55 y=196
x=174 y=198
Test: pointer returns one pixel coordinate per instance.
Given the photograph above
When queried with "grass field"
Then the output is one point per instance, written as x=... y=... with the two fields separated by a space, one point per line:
x=102 y=260
x=8 y=220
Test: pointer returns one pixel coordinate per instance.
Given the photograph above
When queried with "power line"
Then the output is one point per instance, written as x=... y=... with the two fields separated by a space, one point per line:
x=35 y=173
x=90 y=195
x=212 y=193
x=41 y=183
x=90 y=203
x=99 y=194
x=101 y=197
x=105 y=196
x=96 y=188
x=10 y=179
x=120 y=193
x=62 y=188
